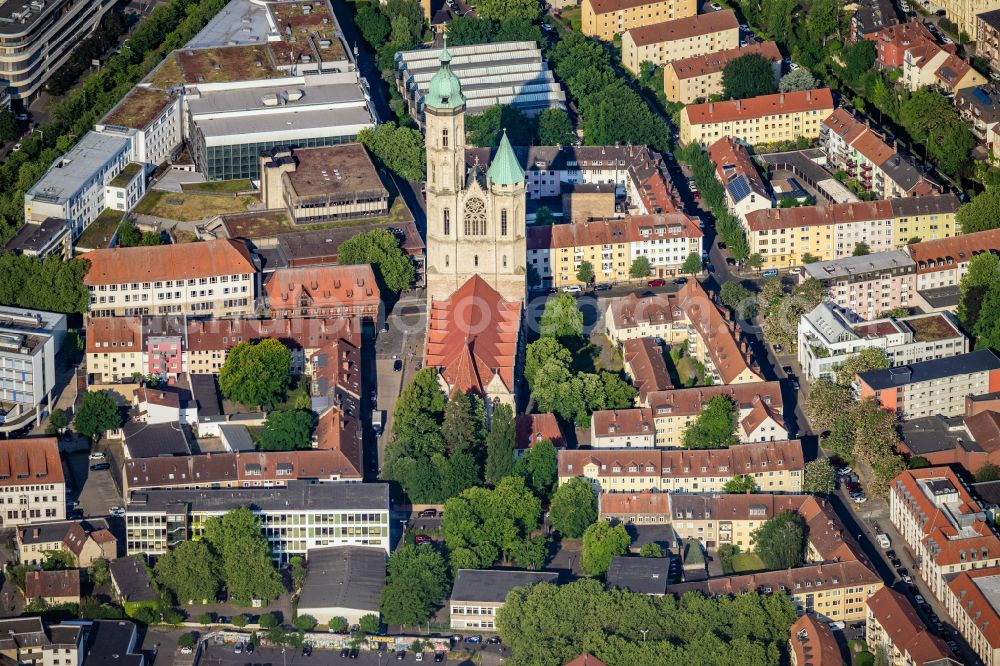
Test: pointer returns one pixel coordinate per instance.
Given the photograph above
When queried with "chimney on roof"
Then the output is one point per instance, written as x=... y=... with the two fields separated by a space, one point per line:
x=711 y=107
x=782 y=98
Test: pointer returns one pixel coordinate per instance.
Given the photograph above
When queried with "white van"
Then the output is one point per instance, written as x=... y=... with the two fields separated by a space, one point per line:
x=883 y=541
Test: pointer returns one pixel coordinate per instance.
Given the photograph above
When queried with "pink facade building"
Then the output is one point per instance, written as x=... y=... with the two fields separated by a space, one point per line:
x=868 y=286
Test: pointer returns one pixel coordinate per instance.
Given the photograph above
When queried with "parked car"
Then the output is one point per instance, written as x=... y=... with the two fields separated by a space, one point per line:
x=658 y=282
x=354 y=653
x=473 y=639
x=769 y=273
x=883 y=541
x=419 y=656
x=100 y=467
x=401 y=655
x=96 y=455
x=397 y=365
x=795 y=383
x=438 y=657
x=843 y=471
x=186 y=649
x=421 y=539
x=795 y=271
x=117 y=511
x=249 y=648
x=919 y=599
x=307 y=650
x=239 y=648
x=779 y=348
x=891 y=554
x=344 y=652
x=680 y=280
x=572 y=289
x=602 y=287
x=493 y=640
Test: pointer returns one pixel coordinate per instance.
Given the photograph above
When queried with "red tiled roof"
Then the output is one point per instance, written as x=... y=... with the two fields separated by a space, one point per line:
x=644 y=357
x=807 y=216
x=339 y=436
x=323 y=286
x=712 y=63
x=842 y=123
x=758 y=107
x=732 y=160
x=691 y=401
x=586 y=659
x=533 y=428
x=985 y=429
x=119 y=334
x=684 y=28
x=983 y=614
x=49 y=584
x=813 y=643
x=908 y=633
x=617 y=504
x=760 y=412
x=632 y=310
x=606 y=6
x=30 y=461
x=158 y=397
x=826 y=576
x=606 y=231
x=947 y=253
x=168 y=262
x=178 y=471
x=472 y=337
x=717 y=332
x=615 y=422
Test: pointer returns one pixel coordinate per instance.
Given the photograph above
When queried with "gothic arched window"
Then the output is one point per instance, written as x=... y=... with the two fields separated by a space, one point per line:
x=503 y=222
x=447 y=222
x=475 y=217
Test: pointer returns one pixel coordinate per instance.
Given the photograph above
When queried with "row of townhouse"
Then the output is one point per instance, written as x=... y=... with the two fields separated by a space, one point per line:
x=876 y=283
x=611 y=246
x=828 y=337
x=689 y=316
x=758 y=120
x=776 y=467
x=663 y=416
x=783 y=236
x=660 y=43
x=699 y=78
x=604 y=19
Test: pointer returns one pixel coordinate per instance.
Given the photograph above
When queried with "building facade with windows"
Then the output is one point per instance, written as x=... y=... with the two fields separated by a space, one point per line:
x=972 y=599
x=869 y=285
x=30 y=340
x=32 y=485
x=943 y=262
x=478 y=594
x=893 y=625
x=660 y=43
x=604 y=19
x=758 y=120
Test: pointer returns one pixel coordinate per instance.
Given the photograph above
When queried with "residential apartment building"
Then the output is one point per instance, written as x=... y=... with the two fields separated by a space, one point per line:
x=988 y=37
x=744 y=187
x=654 y=316
x=963 y=12
x=32 y=485
x=622 y=429
x=812 y=643
x=610 y=245
x=660 y=43
x=892 y=625
x=295 y=518
x=972 y=599
x=29 y=641
x=892 y=42
x=604 y=19
x=980 y=108
x=869 y=285
x=945 y=528
x=156 y=116
x=324 y=291
x=833 y=591
x=29 y=343
x=943 y=262
x=697 y=78
x=217 y=278
x=783 y=236
x=84 y=541
x=758 y=120
x=644 y=363
x=870 y=16
x=478 y=594
x=865 y=156
x=926 y=63
x=931 y=387
x=37 y=40
x=774 y=466
x=828 y=337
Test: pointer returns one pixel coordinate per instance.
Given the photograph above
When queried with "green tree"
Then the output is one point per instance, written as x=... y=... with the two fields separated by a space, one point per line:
x=573 y=508
x=537 y=466
x=245 y=556
x=749 y=75
x=287 y=430
x=97 y=415
x=918 y=462
x=692 y=264
x=306 y=623
x=869 y=358
x=372 y=23
x=988 y=472
x=809 y=258
x=561 y=318
x=781 y=541
x=544 y=216
x=339 y=624
x=268 y=621
x=417 y=582
x=256 y=373
x=499 y=10
x=651 y=549
x=601 y=542
x=500 y=444
x=983 y=271
x=369 y=624
x=484 y=129
x=982 y=213
x=542 y=350
x=738 y=299
x=820 y=477
x=8 y=126
x=797 y=79
x=462 y=429
x=128 y=234
x=861 y=249
x=741 y=483
x=205 y=619
x=381 y=249
x=714 y=427
x=100 y=572
x=825 y=402
x=189 y=640
x=585 y=273
x=484 y=526
x=57 y=422
x=640 y=268
x=554 y=128
x=190 y=571
x=987 y=327
x=399 y=149
x=858 y=59
x=240 y=620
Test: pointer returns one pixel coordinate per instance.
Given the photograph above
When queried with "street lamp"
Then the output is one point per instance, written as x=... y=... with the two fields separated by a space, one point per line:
x=644 y=632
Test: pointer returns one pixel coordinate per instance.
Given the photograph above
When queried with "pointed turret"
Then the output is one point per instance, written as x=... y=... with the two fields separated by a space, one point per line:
x=444 y=90
x=505 y=169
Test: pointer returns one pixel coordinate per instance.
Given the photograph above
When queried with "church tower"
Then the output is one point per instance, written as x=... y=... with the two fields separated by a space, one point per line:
x=475 y=221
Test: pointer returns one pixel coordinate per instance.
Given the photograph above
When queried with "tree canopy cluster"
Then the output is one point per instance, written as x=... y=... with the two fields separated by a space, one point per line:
x=714 y=427
x=418 y=580
x=573 y=508
x=549 y=128
x=382 y=249
x=601 y=542
x=256 y=373
x=42 y=284
x=612 y=111
x=398 y=149
x=98 y=414
x=111 y=28
x=749 y=75
x=979 y=304
x=285 y=430
x=549 y=625
x=464 y=30
x=130 y=236
x=783 y=310
x=781 y=541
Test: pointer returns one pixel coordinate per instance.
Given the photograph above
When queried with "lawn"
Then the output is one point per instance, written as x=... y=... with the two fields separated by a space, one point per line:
x=747 y=562
x=218 y=187
x=571 y=16
x=187 y=207
x=98 y=234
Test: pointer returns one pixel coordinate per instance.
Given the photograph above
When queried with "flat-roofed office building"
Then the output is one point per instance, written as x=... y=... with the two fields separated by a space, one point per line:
x=29 y=342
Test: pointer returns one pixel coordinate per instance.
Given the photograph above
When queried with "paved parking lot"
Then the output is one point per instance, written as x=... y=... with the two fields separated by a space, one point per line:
x=95 y=491
x=223 y=655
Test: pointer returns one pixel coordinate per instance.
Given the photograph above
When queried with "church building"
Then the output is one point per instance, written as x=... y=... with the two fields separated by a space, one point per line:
x=476 y=253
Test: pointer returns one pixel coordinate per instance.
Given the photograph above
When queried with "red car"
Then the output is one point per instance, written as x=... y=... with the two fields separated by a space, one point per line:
x=658 y=282
x=421 y=539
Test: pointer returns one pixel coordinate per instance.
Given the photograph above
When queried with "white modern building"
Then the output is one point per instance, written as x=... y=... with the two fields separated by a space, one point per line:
x=828 y=336
x=29 y=342
x=156 y=117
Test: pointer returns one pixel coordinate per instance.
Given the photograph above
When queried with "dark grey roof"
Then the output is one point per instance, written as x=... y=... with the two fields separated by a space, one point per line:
x=873 y=15
x=132 y=579
x=21 y=632
x=988 y=491
x=111 y=643
x=206 y=394
x=685 y=506
x=344 y=577
x=646 y=575
x=983 y=102
x=32 y=238
x=56 y=531
x=977 y=361
x=943 y=297
x=901 y=170
x=238 y=437
x=990 y=18
x=297 y=496
x=492 y=585
x=65 y=634
x=149 y=440
x=321 y=246
x=932 y=434
x=938 y=204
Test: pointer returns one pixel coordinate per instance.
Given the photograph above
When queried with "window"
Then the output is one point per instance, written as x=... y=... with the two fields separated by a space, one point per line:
x=444 y=138
x=475 y=260
x=505 y=261
x=503 y=222
x=447 y=222
x=446 y=261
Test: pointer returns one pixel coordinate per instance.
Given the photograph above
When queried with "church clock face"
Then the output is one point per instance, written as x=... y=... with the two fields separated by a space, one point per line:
x=475 y=217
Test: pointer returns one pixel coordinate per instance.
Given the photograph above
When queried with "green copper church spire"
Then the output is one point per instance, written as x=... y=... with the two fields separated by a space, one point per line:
x=505 y=169
x=445 y=90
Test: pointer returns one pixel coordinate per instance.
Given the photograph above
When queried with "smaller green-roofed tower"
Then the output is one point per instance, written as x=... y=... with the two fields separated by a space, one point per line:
x=505 y=168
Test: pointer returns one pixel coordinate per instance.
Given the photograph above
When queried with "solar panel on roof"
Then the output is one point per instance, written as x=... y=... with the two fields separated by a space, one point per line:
x=739 y=189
